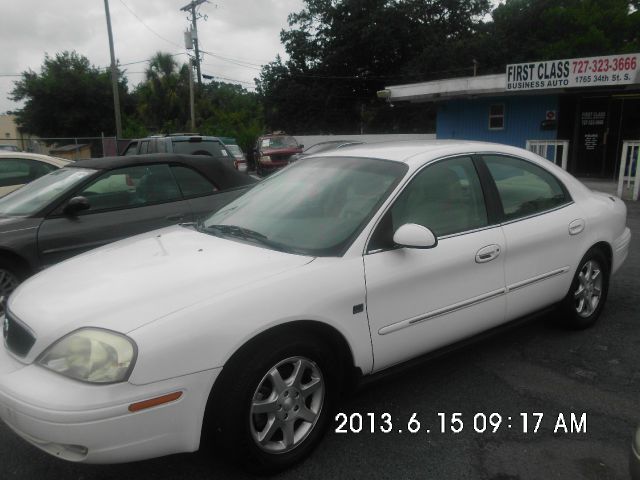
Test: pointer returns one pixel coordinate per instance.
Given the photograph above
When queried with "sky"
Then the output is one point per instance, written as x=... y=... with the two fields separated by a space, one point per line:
x=246 y=33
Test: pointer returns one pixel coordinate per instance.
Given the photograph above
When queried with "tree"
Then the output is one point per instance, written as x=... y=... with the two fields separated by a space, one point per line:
x=342 y=52
x=70 y=97
x=163 y=98
x=222 y=109
x=228 y=110
x=529 y=30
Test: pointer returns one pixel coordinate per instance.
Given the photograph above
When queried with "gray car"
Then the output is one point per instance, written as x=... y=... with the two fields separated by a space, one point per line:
x=98 y=201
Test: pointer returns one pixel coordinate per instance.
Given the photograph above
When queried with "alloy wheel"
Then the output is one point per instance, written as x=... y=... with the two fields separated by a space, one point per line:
x=286 y=405
x=589 y=290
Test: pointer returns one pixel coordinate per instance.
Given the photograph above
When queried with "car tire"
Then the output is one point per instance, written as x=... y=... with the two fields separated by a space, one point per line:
x=11 y=275
x=588 y=293
x=266 y=416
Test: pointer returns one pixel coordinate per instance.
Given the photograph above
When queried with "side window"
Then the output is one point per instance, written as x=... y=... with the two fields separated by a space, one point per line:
x=191 y=182
x=132 y=187
x=445 y=197
x=144 y=147
x=524 y=188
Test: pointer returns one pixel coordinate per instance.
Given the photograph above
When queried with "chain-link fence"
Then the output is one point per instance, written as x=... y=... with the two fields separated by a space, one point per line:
x=74 y=148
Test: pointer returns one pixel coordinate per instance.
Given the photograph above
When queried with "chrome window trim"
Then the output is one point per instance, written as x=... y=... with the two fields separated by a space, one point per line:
x=533 y=215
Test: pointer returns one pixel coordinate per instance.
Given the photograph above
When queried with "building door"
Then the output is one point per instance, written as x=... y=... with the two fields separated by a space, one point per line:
x=624 y=125
x=592 y=125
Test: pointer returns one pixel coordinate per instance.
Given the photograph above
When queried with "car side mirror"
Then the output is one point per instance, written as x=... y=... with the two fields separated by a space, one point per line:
x=301 y=146
x=411 y=235
x=76 y=204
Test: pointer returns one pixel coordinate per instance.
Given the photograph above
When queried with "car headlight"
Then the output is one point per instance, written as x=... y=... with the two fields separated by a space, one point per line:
x=91 y=355
x=265 y=159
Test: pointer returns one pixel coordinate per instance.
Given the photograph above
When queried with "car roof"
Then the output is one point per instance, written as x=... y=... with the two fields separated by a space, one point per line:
x=178 y=136
x=212 y=167
x=416 y=151
x=57 y=161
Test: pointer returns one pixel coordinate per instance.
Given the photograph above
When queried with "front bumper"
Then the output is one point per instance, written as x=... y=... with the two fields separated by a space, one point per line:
x=92 y=423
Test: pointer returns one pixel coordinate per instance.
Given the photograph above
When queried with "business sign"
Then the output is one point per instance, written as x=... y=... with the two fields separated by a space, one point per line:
x=575 y=72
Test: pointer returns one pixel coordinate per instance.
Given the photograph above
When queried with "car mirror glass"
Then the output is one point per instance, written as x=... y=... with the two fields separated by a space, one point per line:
x=412 y=235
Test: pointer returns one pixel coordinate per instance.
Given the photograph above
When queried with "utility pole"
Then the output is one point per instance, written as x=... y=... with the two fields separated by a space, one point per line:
x=192 y=105
x=191 y=7
x=114 y=74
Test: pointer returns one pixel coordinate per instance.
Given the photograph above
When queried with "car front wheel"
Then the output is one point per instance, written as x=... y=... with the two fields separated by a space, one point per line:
x=273 y=406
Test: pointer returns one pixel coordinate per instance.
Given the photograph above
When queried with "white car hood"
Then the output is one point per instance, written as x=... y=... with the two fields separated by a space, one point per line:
x=127 y=284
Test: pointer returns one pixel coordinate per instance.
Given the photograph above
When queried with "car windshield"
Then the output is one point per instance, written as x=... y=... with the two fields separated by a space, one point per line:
x=314 y=207
x=279 y=142
x=36 y=195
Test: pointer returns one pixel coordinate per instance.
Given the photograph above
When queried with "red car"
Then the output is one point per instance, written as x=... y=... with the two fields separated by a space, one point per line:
x=274 y=151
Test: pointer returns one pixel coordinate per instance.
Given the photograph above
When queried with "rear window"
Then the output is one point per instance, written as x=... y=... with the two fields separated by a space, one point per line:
x=204 y=147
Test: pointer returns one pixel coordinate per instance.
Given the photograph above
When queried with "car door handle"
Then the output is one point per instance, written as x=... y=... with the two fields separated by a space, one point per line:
x=175 y=218
x=576 y=227
x=488 y=253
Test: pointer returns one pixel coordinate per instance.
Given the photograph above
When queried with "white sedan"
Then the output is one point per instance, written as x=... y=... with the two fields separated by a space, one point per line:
x=250 y=324
x=19 y=168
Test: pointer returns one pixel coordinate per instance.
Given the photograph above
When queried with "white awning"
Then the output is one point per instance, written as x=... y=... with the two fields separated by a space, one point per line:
x=448 y=88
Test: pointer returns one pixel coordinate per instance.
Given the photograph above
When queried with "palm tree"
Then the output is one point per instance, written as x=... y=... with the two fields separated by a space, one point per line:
x=164 y=94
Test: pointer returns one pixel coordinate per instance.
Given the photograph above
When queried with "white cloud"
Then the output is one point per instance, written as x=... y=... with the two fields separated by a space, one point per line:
x=247 y=30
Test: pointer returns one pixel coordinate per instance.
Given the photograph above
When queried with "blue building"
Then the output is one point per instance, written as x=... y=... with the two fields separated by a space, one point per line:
x=587 y=106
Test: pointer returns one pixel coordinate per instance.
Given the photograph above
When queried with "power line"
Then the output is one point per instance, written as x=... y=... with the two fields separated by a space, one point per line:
x=251 y=66
x=148 y=27
x=148 y=59
x=236 y=59
x=229 y=79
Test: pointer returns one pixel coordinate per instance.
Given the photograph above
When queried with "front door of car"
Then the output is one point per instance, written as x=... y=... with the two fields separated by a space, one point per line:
x=122 y=203
x=543 y=230
x=421 y=299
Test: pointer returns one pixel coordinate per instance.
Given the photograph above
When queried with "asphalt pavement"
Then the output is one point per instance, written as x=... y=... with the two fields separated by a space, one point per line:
x=530 y=370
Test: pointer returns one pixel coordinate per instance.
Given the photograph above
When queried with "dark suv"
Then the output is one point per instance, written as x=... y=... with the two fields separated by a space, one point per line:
x=186 y=143
x=274 y=151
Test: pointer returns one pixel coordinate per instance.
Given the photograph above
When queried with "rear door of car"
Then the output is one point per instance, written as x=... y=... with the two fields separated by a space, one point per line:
x=419 y=300
x=123 y=202
x=543 y=233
